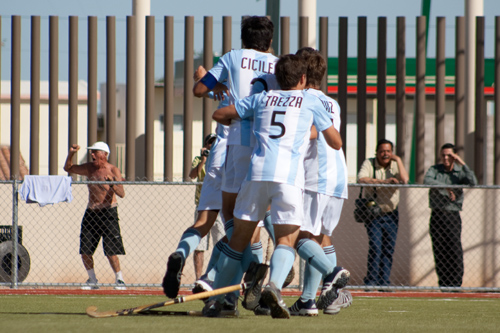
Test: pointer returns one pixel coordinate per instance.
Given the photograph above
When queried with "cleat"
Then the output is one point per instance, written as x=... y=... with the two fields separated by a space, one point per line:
x=202 y=285
x=262 y=309
x=343 y=301
x=301 y=308
x=90 y=285
x=212 y=308
x=230 y=302
x=172 y=279
x=331 y=284
x=289 y=278
x=254 y=278
x=120 y=285
x=272 y=297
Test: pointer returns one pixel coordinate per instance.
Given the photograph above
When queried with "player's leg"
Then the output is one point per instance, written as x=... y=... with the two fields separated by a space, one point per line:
x=112 y=243
x=90 y=236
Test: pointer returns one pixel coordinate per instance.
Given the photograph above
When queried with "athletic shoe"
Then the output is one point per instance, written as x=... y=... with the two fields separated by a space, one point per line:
x=272 y=297
x=120 y=285
x=202 y=285
x=343 y=301
x=331 y=284
x=230 y=302
x=172 y=278
x=90 y=285
x=301 y=308
x=254 y=278
x=212 y=308
x=262 y=309
x=289 y=278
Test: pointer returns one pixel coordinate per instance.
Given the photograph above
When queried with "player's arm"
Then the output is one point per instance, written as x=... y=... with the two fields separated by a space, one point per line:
x=69 y=167
x=225 y=115
x=314 y=133
x=117 y=188
x=332 y=137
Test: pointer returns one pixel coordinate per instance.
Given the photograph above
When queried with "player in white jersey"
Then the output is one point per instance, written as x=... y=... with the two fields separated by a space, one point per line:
x=209 y=205
x=324 y=195
x=282 y=126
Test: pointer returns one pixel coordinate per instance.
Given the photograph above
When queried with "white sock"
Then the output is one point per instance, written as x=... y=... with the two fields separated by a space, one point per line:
x=119 y=276
x=91 y=274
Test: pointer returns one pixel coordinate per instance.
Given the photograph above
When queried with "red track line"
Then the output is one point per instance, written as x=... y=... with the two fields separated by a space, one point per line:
x=288 y=292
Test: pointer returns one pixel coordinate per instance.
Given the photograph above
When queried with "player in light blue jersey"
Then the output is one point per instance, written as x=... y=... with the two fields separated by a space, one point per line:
x=282 y=126
x=324 y=195
x=209 y=206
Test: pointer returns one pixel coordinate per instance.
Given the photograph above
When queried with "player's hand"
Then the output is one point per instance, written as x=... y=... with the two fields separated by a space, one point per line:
x=452 y=195
x=74 y=148
x=392 y=180
x=219 y=91
x=199 y=73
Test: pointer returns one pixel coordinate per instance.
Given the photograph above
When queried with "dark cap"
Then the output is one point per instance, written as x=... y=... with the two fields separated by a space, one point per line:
x=208 y=138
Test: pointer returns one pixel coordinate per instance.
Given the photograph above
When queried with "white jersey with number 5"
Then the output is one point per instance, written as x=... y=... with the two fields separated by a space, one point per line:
x=325 y=167
x=240 y=67
x=282 y=127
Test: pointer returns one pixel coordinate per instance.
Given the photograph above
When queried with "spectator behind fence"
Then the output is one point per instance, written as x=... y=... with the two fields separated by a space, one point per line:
x=217 y=230
x=101 y=216
x=385 y=168
x=445 y=225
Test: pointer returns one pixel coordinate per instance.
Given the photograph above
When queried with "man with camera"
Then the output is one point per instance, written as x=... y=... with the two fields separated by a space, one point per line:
x=385 y=168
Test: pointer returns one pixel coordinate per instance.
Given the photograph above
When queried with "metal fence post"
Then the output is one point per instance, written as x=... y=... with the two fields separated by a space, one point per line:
x=14 y=261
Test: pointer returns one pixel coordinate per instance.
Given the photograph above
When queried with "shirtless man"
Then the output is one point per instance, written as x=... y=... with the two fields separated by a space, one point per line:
x=101 y=215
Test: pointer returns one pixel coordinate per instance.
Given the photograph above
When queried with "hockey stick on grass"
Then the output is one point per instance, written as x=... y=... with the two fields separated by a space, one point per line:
x=92 y=310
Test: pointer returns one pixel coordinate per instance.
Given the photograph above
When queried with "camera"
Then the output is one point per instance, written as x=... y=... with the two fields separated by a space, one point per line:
x=206 y=152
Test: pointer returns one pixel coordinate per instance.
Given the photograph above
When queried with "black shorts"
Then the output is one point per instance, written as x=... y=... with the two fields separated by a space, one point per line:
x=99 y=223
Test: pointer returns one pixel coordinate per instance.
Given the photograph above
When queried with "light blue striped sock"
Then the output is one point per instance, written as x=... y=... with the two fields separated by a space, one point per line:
x=189 y=241
x=281 y=263
x=210 y=272
x=257 y=252
x=331 y=254
x=313 y=254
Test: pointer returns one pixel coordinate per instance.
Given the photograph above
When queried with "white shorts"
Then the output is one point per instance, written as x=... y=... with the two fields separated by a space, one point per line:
x=211 y=193
x=216 y=232
x=321 y=213
x=255 y=197
x=236 y=167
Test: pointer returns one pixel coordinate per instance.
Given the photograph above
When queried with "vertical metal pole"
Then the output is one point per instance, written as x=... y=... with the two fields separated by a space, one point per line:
x=15 y=236
x=303 y=31
x=480 y=125
x=73 y=83
x=401 y=87
x=460 y=86
x=111 y=88
x=226 y=34
x=361 y=93
x=35 y=97
x=207 y=63
x=150 y=96
x=440 y=75
x=420 y=100
x=342 y=81
x=497 y=102
x=15 y=100
x=53 y=94
x=168 y=100
x=188 y=96
x=381 y=76
x=92 y=84
x=130 y=126
x=285 y=35
x=323 y=49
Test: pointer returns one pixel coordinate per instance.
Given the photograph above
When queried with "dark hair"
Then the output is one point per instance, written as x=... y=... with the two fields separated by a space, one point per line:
x=449 y=146
x=384 y=141
x=289 y=70
x=316 y=65
x=209 y=139
x=257 y=33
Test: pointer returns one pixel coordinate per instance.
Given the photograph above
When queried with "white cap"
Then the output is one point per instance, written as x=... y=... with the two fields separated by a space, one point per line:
x=100 y=145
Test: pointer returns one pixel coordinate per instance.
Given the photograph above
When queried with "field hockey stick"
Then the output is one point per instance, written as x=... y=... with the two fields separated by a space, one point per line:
x=92 y=310
x=224 y=313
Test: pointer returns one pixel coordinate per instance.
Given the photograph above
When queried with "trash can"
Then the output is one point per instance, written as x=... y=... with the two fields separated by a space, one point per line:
x=6 y=255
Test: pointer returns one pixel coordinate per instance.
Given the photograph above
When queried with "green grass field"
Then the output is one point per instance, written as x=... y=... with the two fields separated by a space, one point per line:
x=59 y=313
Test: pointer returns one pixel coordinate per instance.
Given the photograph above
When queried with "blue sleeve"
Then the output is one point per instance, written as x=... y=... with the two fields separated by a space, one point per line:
x=209 y=80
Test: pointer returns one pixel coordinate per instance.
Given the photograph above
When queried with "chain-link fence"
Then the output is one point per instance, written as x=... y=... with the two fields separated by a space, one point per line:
x=153 y=216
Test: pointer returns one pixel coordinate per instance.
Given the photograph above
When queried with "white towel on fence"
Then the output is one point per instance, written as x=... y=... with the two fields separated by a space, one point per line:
x=46 y=190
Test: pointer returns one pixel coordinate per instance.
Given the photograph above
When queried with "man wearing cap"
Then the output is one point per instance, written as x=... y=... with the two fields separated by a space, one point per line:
x=101 y=216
